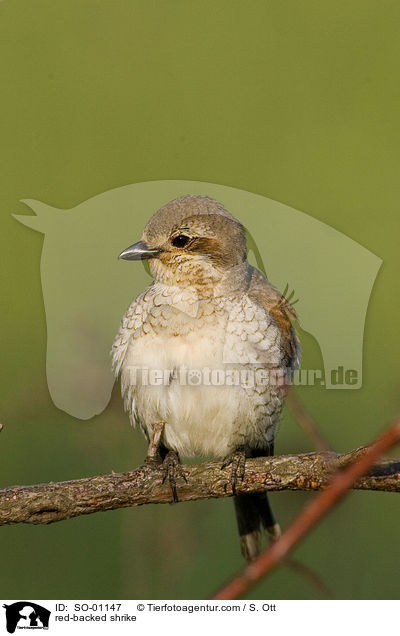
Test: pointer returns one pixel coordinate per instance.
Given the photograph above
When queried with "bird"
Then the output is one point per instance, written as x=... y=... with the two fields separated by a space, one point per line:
x=206 y=352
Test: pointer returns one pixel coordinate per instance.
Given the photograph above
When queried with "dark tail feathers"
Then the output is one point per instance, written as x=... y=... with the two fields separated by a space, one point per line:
x=253 y=514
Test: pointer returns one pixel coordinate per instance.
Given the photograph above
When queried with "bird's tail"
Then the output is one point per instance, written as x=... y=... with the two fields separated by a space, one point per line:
x=253 y=514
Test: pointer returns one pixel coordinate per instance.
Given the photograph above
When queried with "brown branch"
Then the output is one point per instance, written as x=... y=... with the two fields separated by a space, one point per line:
x=312 y=514
x=47 y=503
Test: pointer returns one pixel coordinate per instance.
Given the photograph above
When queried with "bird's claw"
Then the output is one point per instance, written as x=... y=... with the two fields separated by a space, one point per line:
x=237 y=460
x=172 y=469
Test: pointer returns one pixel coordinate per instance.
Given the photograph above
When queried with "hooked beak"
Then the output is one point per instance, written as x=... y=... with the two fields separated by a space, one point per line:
x=139 y=251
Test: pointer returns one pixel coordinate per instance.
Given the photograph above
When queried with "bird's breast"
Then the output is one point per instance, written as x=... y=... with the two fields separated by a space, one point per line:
x=175 y=371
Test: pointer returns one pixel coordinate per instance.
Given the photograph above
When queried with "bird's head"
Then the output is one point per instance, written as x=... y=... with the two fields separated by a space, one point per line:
x=192 y=240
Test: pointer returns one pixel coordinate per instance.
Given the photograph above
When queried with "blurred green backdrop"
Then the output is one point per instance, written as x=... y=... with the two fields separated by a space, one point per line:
x=296 y=100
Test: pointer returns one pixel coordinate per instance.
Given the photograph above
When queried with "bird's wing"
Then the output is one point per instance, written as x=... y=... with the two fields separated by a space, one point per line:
x=272 y=301
x=131 y=324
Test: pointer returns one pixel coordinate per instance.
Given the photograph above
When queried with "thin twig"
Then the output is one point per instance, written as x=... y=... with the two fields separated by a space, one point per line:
x=306 y=572
x=47 y=503
x=306 y=421
x=312 y=514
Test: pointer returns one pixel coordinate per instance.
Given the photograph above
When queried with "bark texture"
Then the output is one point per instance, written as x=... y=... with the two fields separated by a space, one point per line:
x=47 y=503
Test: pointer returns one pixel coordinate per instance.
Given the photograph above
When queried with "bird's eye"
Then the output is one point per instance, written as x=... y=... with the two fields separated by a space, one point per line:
x=180 y=241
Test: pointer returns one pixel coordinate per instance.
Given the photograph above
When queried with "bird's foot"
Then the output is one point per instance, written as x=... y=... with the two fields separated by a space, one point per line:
x=237 y=460
x=172 y=468
x=154 y=456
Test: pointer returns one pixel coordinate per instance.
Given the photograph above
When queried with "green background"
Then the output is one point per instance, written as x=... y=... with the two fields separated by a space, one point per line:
x=294 y=100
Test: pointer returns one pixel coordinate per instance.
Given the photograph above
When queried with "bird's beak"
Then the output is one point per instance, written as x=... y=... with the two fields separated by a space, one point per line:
x=139 y=251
